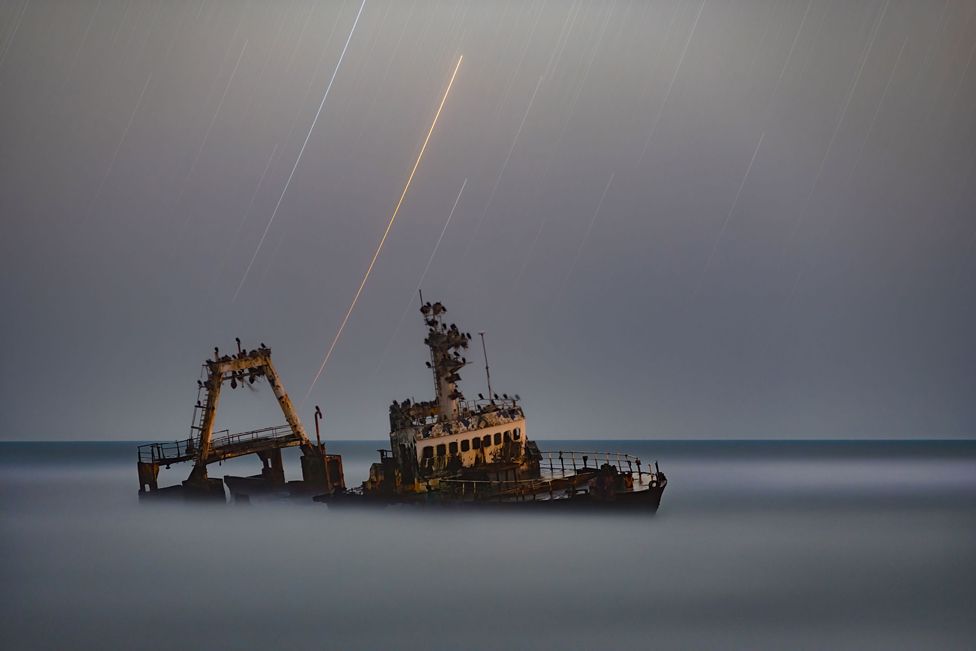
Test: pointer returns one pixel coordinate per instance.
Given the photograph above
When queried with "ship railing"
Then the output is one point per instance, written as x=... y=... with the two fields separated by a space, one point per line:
x=470 y=409
x=162 y=452
x=265 y=433
x=536 y=489
x=562 y=463
x=171 y=451
x=221 y=441
x=479 y=405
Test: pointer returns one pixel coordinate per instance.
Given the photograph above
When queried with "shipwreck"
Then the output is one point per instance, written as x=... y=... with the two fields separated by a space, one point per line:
x=447 y=451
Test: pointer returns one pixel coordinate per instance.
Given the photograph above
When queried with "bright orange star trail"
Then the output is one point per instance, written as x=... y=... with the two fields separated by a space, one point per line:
x=379 y=248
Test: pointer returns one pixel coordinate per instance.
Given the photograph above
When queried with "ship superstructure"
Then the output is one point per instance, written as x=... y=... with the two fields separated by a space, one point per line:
x=452 y=437
x=451 y=450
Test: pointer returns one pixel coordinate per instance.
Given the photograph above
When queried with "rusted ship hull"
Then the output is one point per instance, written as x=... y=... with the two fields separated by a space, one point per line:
x=644 y=501
x=647 y=498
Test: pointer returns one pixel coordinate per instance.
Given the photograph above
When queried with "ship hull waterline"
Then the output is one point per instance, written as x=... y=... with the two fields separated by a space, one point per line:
x=648 y=500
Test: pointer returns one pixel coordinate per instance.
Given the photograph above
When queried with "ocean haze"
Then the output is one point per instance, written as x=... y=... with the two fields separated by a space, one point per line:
x=757 y=545
x=786 y=249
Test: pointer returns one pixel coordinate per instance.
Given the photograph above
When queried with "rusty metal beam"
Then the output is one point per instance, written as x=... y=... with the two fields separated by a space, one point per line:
x=226 y=368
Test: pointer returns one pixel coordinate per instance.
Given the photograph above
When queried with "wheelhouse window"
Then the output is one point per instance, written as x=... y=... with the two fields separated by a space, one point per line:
x=516 y=433
x=465 y=445
x=452 y=447
x=486 y=441
x=428 y=452
x=476 y=444
x=442 y=450
x=508 y=436
x=498 y=438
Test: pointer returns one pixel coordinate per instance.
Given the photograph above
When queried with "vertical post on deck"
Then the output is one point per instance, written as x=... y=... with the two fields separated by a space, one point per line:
x=321 y=449
x=484 y=350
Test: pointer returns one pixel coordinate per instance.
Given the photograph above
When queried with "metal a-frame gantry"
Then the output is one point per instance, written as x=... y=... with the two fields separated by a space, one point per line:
x=320 y=471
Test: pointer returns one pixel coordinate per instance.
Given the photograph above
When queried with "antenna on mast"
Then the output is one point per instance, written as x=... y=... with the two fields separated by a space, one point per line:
x=487 y=372
x=421 y=292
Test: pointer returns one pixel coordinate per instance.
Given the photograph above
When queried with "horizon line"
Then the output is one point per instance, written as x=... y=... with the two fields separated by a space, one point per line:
x=660 y=440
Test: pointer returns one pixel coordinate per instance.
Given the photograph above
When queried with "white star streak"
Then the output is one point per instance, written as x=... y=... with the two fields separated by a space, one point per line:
x=877 y=109
x=298 y=159
x=501 y=172
x=962 y=77
x=294 y=123
x=386 y=233
x=206 y=134
x=526 y=259
x=589 y=229
x=936 y=42
x=291 y=130
x=257 y=187
x=563 y=33
x=420 y=283
x=518 y=68
x=440 y=237
x=589 y=65
x=796 y=38
x=674 y=77
x=664 y=43
x=725 y=224
x=386 y=73
x=843 y=113
x=247 y=210
x=816 y=181
x=125 y=13
x=203 y=4
x=77 y=55
x=13 y=33
x=84 y=39
x=115 y=154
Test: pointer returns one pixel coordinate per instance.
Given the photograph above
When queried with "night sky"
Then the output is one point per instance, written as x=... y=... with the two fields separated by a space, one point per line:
x=679 y=219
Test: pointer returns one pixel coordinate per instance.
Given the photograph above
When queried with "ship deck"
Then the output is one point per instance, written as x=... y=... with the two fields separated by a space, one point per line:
x=222 y=447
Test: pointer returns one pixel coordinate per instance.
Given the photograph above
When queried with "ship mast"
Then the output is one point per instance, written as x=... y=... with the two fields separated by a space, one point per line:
x=491 y=396
x=444 y=342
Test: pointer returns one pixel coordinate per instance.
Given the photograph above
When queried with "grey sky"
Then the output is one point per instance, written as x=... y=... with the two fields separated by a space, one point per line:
x=793 y=255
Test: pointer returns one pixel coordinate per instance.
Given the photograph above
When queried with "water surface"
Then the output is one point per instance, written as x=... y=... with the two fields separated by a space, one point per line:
x=757 y=545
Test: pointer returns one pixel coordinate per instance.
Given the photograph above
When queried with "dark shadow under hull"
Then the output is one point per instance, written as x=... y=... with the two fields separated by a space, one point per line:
x=645 y=500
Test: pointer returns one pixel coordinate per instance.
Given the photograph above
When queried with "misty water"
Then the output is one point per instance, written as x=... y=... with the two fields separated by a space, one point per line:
x=757 y=545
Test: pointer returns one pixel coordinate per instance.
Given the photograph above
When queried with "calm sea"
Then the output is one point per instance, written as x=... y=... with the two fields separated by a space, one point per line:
x=758 y=545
